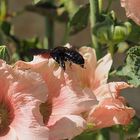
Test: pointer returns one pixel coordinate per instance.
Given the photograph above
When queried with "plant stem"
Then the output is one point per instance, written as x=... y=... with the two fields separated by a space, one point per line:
x=111 y=49
x=50 y=32
x=121 y=135
x=94 y=13
x=66 y=34
x=109 y=5
x=100 y=6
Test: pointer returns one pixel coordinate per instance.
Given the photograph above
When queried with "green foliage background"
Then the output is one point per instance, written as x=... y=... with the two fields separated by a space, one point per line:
x=107 y=33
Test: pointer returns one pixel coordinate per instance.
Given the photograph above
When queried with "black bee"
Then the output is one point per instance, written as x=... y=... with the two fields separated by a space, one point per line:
x=61 y=55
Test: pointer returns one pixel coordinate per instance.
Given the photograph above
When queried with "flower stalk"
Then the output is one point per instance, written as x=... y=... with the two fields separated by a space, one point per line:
x=50 y=31
x=94 y=14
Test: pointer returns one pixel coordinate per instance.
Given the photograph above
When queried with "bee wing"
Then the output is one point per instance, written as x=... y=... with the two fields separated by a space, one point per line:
x=43 y=52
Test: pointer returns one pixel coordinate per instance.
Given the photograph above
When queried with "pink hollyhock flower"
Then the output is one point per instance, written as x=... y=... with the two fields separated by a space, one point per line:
x=21 y=93
x=108 y=94
x=72 y=92
x=67 y=99
x=132 y=9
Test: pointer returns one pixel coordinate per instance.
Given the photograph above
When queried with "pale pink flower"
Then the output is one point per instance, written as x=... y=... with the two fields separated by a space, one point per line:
x=108 y=94
x=67 y=100
x=72 y=92
x=132 y=9
x=21 y=93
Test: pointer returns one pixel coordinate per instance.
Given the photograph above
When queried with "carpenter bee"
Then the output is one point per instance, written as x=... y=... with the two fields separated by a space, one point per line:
x=61 y=55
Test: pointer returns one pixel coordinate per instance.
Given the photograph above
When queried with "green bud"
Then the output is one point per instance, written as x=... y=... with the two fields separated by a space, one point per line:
x=103 y=30
x=128 y=26
x=122 y=47
x=4 y=54
x=121 y=32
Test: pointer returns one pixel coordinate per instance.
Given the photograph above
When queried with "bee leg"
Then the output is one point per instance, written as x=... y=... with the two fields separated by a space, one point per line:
x=62 y=64
x=82 y=65
x=70 y=64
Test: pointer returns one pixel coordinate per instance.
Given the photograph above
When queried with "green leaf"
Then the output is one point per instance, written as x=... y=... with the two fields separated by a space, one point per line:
x=6 y=27
x=49 y=9
x=86 y=136
x=36 y=1
x=133 y=126
x=131 y=70
x=79 y=20
x=4 y=54
x=102 y=134
x=135 y=33
x=130 y=128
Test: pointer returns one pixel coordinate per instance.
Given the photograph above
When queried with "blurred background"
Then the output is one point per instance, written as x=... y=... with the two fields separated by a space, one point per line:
x=28 y=25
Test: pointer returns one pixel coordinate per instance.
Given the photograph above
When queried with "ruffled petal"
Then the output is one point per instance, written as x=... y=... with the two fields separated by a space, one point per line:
x=132 y=9
x=110 y=90
x=110 y=112
x=102 y=70
x=65 y=96
x=26 y=124
x=70 y=101
x=30 y=84
x=24 y=91
x=6 y=77
x=67 y=127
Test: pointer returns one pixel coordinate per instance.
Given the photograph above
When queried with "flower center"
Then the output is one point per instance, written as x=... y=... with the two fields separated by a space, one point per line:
x=6 y=116
x=46 y=110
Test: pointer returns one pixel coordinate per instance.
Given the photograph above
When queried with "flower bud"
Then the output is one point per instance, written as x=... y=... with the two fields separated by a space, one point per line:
x=120 y=32
x=4 y=54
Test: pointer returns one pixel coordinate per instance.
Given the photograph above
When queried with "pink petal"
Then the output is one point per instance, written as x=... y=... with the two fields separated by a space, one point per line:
x=110 y=90
x=28 y=92
x=25 y=90
x=6 y=77
x=70 y=101
x=102 y=70
x=65 y=94
x=28 y=83
x=132 y=9
x=110 y=112
x=26 y=125
x=86 y=75
x=67 y=127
